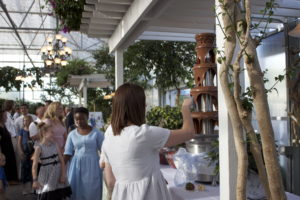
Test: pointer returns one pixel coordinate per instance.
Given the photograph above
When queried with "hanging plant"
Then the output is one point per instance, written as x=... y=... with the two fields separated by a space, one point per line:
x=69 y=13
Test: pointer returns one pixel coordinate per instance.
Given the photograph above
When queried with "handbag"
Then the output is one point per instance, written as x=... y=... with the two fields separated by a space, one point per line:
x=30 y=146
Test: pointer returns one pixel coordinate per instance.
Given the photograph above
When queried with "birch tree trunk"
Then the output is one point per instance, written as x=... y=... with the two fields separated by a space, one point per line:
x=264 y=122
x=236 y=25
x=239 y=140
x=263 y=115
x=243 y=27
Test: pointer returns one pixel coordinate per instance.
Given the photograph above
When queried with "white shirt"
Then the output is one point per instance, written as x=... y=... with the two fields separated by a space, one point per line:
x=16 y=115
x=19 y=122
x=33 y=129
x=134 y=158
x=10 y=125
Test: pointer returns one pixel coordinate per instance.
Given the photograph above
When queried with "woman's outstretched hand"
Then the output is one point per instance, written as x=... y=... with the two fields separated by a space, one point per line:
x=187 y=102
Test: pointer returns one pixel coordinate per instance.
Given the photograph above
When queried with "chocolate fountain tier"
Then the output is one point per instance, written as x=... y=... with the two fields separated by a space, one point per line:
x=204 y=65
x=204 y=76
x=205 y=115
x=205 y=40
x=211 y=90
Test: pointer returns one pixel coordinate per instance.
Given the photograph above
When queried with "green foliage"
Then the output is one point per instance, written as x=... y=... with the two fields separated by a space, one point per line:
x=60 y=94
x=63 y=93
x=98 y=103
x=105 y=64
x=166 y=117
x=213 y=156
x=8 y=76
x=147 y=60
x=74 y=67
x=37 y=73
x=69 y=12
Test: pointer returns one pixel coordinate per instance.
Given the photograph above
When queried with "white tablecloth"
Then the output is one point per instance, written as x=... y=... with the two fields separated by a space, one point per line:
x=180 y=193
x=210 y=193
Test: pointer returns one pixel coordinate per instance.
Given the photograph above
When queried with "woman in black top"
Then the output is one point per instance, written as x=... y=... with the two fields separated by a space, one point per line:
x=7 y=149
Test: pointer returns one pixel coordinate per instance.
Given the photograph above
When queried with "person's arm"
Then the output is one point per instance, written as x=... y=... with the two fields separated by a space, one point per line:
x=20 y=147
x=62 y=166
x=65 y=137
x=36 y=157
x=17 y=124
x=66 y=158
x=69 y=149
x=187 y=131
x=109 y=178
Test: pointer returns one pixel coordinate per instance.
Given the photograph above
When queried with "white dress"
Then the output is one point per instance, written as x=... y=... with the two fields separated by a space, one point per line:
x=134 y=158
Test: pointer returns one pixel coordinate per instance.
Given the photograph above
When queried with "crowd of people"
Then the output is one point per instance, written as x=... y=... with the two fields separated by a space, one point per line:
x=59 y=155
x=48 y=154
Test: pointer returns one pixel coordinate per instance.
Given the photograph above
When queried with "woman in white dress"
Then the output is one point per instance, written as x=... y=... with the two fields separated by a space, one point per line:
x=131 y=148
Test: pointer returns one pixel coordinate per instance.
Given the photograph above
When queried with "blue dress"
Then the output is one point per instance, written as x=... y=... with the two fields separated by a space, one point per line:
x=26 y=164
x=3 y=177
x=84 y=174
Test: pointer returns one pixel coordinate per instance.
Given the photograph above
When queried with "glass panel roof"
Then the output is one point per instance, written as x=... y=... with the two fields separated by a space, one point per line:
x=34 y=24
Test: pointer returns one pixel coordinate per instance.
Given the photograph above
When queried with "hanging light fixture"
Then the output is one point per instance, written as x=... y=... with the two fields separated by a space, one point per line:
x=55 y=53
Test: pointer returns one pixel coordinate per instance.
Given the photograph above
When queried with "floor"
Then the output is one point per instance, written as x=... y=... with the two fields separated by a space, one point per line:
x=15 y=193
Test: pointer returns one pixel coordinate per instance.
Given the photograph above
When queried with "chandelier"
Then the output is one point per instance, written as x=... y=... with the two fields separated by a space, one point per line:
x=56 y=53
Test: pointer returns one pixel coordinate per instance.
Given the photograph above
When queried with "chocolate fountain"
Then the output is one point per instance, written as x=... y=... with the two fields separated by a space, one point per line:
x=205 y=95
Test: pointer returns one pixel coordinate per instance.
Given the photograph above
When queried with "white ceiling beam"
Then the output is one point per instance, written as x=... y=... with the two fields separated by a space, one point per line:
x=89 y=7
x=180 y=24
x=179 y=30
x=87 y=14
x=112 y=7
x=168 y=36
x=122 y=2
x=105 y=32
x=102 y=27
x=85 y=20
x=134 y=20
x=134 y=14
x=108 y=15
x=91 y=1
x=97 y=35
x=104 y=21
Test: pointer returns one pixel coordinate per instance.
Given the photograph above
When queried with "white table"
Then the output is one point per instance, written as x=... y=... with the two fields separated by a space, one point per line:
x=180 y=193
x=210 y=193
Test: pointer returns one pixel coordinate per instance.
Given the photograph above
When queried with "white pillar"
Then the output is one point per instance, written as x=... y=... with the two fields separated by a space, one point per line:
x=119 y=79
x=80 y=102
x=227 y=154
x=85 y=93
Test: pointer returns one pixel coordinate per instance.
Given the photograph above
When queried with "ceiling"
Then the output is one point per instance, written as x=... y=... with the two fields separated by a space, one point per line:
x=34 y=24
x=121 y=22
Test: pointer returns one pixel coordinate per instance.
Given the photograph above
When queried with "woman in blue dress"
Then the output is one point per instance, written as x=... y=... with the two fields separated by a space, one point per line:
x=83 y=146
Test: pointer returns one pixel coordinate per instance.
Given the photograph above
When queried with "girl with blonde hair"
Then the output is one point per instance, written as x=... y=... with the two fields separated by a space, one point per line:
x=51 y=181
x=53 y=117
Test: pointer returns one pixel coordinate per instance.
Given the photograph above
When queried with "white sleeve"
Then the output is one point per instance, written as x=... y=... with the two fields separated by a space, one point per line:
x=103 y=157
x=156 y=136
x=33 y=129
